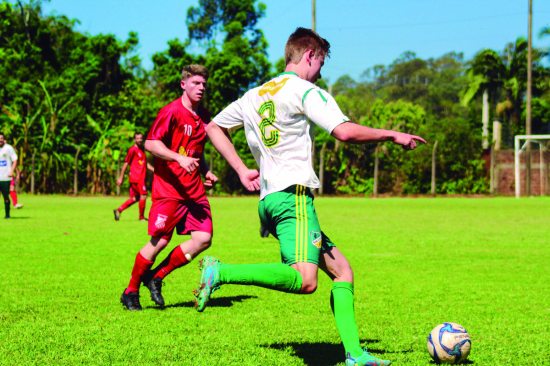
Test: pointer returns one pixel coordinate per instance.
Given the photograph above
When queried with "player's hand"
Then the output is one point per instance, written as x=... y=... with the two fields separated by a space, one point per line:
x=188 y=164
x=210 y=179
x=408 y=142
x=250 y=178
x=119 y=181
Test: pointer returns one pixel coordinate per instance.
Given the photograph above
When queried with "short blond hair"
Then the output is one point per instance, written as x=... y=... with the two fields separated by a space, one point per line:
x=192 y=70
x=301 y=40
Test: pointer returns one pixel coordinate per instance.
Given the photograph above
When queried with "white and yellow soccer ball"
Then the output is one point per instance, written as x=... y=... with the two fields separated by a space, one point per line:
x=449 y=343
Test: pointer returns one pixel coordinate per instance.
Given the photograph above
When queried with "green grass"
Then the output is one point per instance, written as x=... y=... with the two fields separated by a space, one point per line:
x=483 y=263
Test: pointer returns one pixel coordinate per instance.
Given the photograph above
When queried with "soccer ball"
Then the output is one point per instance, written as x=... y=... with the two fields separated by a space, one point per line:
x=449 y=343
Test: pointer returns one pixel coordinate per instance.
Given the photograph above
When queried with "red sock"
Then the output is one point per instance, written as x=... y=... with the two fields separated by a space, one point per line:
x=174 y=260
x=141 y=265
x=141 y=209
x=13 y=196
x=129 y=202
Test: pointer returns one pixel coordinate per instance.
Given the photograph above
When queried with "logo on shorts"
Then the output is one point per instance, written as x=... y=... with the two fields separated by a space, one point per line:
x=316 y=238
x=161 y=221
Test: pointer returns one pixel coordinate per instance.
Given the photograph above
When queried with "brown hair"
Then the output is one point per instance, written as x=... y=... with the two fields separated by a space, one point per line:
x=192 y=70
x=301 y=40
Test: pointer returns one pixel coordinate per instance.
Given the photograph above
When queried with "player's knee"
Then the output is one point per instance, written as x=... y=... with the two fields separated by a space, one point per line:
x=308 y=287
x=203 y=240
x=159 y=243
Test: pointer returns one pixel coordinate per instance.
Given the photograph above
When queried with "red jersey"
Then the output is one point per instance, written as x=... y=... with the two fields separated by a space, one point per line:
x=137 y=161
x=183 y=132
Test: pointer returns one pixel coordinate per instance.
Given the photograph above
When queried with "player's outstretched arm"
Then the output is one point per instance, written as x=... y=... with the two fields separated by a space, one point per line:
x=355 y=133
x=158 y=149
x=250 y=178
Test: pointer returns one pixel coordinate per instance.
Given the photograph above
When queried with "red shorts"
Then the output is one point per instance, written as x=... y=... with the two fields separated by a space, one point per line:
x=137 y=189
x=185 y=216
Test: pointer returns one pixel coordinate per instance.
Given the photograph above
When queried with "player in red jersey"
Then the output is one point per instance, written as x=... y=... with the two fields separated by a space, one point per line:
x=176 y=139
x=137 y=160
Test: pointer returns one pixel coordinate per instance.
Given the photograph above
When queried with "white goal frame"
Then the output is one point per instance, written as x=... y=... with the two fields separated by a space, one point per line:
x=518 y=149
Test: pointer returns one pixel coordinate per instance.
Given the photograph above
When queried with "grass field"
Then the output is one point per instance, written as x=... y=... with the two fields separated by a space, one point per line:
x=483 y=263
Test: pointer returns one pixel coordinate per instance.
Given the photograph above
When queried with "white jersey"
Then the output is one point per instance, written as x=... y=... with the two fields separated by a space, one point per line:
x=275 y=119
x=7 y=157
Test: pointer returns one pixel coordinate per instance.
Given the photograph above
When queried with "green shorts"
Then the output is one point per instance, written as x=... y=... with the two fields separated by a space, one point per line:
x=290 y=217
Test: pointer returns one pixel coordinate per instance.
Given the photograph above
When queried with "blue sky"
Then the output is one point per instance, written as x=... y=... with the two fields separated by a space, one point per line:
x=362 y=33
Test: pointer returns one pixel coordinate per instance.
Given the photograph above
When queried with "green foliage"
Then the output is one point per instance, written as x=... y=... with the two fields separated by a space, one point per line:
x=72 y=101
x=241 y=61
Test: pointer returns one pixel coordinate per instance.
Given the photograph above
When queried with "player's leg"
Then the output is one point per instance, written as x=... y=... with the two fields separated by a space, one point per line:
x=5 y=189
x=134 y=195
x=160 y=228
x=13 y=195
x=180 y=256
x=183 y=254
x=337 y=267
x=142 y=201
x=290 y=216
x=142 y=264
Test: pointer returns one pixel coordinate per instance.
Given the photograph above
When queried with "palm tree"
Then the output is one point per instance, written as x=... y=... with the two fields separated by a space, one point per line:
x=485 y=73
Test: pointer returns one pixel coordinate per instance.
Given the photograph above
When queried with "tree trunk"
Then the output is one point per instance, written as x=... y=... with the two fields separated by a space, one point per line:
x=433 y=168
x=485 y=121
x=32 y=171
x=75 y=176
x=117 y=191
x=376 y=164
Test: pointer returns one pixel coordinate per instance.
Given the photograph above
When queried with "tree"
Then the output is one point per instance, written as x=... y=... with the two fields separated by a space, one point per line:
x=486 y=75
x=240 y=62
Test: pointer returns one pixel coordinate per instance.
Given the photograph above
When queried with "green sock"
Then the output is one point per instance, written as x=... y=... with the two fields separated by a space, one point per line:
x=276 y=276
x=341 y=302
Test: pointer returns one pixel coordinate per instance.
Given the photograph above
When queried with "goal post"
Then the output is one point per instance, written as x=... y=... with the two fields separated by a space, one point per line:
x=520 y=144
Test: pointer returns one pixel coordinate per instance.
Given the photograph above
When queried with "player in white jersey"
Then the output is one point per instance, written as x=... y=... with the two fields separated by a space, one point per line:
x=276 y=118
x=8 y=165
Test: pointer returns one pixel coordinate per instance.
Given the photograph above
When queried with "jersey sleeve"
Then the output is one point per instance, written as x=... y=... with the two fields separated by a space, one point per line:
x=231 y=117
x=13 y=154
x=160 y=128
x=321 y=108
x=129 y=156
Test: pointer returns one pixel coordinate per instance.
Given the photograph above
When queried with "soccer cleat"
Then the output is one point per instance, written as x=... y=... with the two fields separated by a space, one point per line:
x=117 y=214
x=19 y=205
x=366 y=359
x=155 y=287
x=130 y=300
x=210 y=281
x=143 y=219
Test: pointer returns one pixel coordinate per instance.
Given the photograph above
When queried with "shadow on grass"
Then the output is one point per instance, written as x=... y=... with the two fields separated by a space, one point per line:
x=324 y=354
x=18 y=218
x=220 y=302
x=466 y=362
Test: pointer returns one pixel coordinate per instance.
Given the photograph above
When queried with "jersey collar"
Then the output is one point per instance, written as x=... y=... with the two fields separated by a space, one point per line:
x=288 y=73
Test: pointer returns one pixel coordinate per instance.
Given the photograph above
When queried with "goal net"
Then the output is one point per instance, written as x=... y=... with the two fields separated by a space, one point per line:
x=540 y=158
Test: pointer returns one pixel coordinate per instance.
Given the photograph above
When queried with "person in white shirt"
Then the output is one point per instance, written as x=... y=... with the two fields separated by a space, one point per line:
x=8 y=166
x=276 y=119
